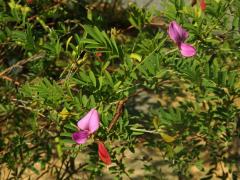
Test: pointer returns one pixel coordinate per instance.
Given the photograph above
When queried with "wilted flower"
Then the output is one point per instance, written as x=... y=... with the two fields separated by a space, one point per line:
x=29 y=1
x=87 y=126
x=179 y=35
x=99 y=54
x=203 y=5
x=103 y=153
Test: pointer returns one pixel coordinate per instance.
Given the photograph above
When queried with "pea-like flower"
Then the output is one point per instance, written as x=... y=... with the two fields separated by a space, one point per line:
x=103 y=153
x=179 y=35
x=87 y=126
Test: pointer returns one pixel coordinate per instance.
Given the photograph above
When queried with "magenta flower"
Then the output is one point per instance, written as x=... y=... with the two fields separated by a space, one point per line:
x=179 y=35
x=87 y=126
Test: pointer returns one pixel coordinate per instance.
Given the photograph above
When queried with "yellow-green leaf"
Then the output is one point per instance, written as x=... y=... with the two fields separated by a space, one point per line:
x=136 y=56
x=167 y=138
x=155 y=122
x=64 y=113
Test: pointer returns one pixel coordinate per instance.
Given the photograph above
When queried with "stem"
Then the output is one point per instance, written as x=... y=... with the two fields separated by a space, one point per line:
x=144 y=130
x=22 y=62
x=145 y=59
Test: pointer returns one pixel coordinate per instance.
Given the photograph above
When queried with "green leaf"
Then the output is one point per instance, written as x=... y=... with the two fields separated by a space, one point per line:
x=93 y=79
x=66 y=134
x=91 y=31
x=70 y=126
x=109 y=78
x=89 y=41
x=167 y=138
x=100 y=80
x=100 y=35
x=84 y=100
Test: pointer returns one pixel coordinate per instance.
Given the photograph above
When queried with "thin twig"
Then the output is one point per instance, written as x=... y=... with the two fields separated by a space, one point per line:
x=11 y=80
x=22 y=62
x=223 y=172
x=42 y=174
x=119 y=109
x=77 y=170
x=31 y=110
x=118 y=113
x=194 y=2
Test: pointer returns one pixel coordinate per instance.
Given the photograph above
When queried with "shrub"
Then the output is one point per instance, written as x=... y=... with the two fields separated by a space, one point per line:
x=59 y=59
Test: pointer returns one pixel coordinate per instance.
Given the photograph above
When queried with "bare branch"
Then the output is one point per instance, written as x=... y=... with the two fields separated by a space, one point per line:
x=22 y=62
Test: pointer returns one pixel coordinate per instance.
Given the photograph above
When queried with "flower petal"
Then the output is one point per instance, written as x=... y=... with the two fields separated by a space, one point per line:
x=80 y=137
x=187 y=50
x=90 y=121
x=103 y=154
x=203 y=5
x=177 y=33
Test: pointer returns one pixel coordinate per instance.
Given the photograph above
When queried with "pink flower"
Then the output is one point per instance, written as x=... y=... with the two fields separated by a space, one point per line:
x=87 y=126
x=103 y=153
x=179 y=35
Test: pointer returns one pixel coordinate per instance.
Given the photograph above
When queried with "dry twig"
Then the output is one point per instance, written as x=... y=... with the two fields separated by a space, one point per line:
x=119 y=109
x=10 y=79
x=118 y=113
x=20 y=63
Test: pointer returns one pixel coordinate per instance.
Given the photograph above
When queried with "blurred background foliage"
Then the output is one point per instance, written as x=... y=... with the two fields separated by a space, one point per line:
x=59 y=59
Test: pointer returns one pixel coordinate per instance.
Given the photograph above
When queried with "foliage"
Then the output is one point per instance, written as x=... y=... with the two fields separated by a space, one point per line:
x=59 y=59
